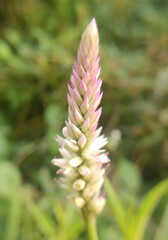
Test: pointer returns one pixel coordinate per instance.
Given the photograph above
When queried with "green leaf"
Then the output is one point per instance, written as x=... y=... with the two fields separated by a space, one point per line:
x=10 y=190
x=13 y=219
x=162 y=230
x=74 y=223
x=5 y=51
x=10 y=180
x=59 y=213
x=45 y=223
x=4 y=146
x=53 y=115
x=116 y=205
x=147 y=207
x=129 y=175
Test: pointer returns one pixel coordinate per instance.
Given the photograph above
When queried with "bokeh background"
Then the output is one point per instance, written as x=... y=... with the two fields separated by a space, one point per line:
x=38 y=45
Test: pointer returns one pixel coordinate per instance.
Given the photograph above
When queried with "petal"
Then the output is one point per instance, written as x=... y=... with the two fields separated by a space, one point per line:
x=78 y=117
x=83 y=87
x=71 y=145
x=76 y=131
x=59 y=162
x=84 y=170
x=65 y=153
x=65 y=131
x=85 y=125
x=75 y=162
x=85 y=105
x=82 y=141
x=60 y=140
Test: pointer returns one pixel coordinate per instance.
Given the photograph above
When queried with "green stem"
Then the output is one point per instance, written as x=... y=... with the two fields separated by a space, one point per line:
x=91 y=225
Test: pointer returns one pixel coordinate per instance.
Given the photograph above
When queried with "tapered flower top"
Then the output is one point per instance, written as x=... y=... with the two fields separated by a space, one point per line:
x=81 y=165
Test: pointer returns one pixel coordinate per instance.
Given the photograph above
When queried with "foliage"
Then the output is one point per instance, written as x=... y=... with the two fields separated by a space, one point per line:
x=133 y=224
x=38 y=42
x=28 y=220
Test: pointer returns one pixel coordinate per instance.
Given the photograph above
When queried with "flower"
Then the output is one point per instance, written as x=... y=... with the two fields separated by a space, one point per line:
x=82 y=157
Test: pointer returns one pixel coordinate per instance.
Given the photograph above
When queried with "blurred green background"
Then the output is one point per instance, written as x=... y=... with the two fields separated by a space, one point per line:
x=38 y=45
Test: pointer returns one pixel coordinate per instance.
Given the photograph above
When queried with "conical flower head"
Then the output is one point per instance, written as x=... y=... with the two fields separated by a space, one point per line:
x=82 y=157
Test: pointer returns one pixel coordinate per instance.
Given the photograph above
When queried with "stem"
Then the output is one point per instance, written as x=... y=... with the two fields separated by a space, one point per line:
x=91 y=225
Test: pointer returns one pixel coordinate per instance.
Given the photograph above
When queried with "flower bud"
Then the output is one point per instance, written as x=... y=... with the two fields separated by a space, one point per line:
x=79 y=184
x=80 y=202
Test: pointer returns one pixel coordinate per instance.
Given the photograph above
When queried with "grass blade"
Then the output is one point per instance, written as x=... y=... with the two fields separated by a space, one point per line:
x=46 y=225
x=162 y=230
x=147 y=207
x=116 y=205
x=13 y=221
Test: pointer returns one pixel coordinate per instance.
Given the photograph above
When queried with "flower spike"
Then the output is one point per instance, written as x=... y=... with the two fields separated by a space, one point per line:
x=82 y=158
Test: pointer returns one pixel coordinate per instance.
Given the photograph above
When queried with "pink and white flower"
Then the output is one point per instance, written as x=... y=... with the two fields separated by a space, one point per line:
x=82 y=157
